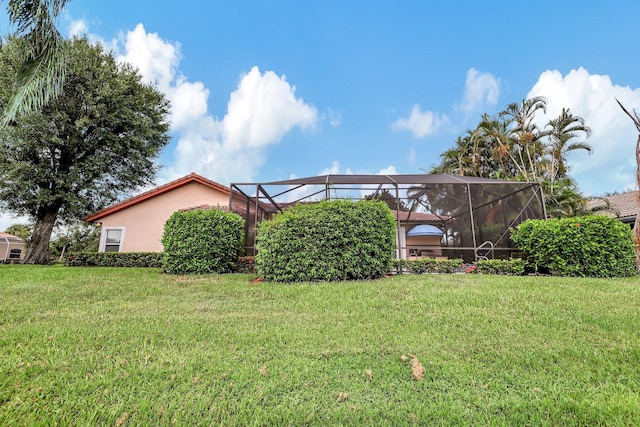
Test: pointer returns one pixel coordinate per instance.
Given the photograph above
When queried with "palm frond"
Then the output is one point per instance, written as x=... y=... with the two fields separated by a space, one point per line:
x=42 y=74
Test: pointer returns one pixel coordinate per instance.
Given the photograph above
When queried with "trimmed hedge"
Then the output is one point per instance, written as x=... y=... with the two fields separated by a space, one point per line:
x=510 y=267
x=326 y=241
x=588 y=246
x=426 y=265
x=507 y=267
x=114 y=259
x=202 y=241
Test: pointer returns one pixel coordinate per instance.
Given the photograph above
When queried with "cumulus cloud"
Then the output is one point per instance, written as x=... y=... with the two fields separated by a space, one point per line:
x=412 y=155
x=421 y=123
x=611 y=166
x=480 y=90
x=335 y=118
x=335 y=169
x=80 y=28
x=260 y=112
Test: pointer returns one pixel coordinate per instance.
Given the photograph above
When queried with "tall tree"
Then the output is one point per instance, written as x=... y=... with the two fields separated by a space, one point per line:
x=41 y=74
x=85 y=149
x=526 y=136
x=562 y=130
x=390 y=199
x=635 y=117
x=511 y=145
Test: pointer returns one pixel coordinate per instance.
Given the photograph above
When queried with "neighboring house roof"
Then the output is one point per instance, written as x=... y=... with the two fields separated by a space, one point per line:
x=192 y=177
x=624 y=206
x=6 y=237
x=404 y=216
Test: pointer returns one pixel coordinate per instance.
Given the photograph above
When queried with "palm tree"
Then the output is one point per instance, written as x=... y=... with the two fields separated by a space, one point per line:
x=563 y=129
x=526 y=135
x=635 y=117
x=42 y=74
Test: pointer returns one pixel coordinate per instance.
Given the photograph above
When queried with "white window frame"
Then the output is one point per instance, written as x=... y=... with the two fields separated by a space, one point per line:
x=103 y=237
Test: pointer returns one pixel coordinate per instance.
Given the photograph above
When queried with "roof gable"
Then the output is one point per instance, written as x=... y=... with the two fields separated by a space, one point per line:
x=163 y=189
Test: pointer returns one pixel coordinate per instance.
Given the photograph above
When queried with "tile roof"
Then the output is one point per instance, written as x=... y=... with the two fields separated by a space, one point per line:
x=418 y=216
x=623 y=206
x=192 y=177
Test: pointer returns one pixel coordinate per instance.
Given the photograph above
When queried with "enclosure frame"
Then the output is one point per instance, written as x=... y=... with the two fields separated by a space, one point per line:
x=273 y=197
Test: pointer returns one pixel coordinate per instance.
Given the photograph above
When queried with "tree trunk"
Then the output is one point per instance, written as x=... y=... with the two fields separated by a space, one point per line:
x=636 y=239
x=38 y=252
x=636 y=227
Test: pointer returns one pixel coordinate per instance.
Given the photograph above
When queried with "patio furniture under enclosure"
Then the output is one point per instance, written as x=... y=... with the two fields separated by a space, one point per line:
x=468 y=217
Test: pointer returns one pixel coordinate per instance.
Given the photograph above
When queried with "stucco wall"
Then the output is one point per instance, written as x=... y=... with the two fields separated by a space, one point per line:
x=431 y=245
x=144 y=223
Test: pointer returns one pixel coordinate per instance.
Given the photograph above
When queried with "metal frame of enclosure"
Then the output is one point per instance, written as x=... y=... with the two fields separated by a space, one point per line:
x=475 y=214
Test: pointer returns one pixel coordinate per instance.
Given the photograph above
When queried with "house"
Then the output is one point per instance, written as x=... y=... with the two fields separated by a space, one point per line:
x=137 y=224
x=12 y=247
x=623 y=206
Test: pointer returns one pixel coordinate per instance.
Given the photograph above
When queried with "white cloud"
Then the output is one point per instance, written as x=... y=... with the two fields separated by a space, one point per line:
x=611 y=166
x=389 y=170
x=480 y=90
x=335 y=118
x=156 y=59
x=421 y=123
x=412 y=156
x=80 y=28
x=335 y=169
x=260 y=112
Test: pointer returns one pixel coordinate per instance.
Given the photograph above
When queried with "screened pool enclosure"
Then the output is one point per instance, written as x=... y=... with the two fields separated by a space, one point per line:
x=468 y=217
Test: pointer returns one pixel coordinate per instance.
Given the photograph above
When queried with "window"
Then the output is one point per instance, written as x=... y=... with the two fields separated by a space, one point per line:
x=112 y=239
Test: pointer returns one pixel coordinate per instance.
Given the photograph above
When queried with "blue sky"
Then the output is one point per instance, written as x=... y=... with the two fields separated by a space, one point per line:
x=268 y=90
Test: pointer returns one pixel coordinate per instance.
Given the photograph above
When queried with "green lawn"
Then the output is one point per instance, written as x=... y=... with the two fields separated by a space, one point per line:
x=102 y=346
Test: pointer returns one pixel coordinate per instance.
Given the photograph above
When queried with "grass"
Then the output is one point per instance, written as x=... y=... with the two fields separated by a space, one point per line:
x=103 y=346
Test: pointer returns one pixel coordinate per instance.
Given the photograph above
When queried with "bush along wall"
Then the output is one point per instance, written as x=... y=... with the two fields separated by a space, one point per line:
x=202 y=241
x=337 y=240
x=114 y=259
x=508 y=267
x=588 y=246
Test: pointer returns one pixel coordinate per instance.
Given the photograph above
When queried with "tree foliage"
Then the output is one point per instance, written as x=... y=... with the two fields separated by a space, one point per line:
x=20 y=230
x=390 y=199
x=77 y=237
x=86 y=149
x=42 y=71
x=511 y=145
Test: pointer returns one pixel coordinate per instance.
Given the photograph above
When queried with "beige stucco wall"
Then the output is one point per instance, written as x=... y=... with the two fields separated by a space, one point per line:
x=433 y=244
x=144 y=223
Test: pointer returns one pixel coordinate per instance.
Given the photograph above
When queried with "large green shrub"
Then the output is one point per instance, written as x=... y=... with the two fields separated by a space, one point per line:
x=202 y=241
x=338 y=240
x=593 y=246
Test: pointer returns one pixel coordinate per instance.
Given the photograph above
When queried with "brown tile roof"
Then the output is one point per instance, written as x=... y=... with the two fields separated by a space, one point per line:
x=192 y=177
x=418 y=216
x=623 y=206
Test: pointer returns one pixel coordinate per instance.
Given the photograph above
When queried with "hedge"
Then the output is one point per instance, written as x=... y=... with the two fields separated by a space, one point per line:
x=327 y=241
x=202 y=241
x=510 y=267
x=113 y=259
x=588 y=246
